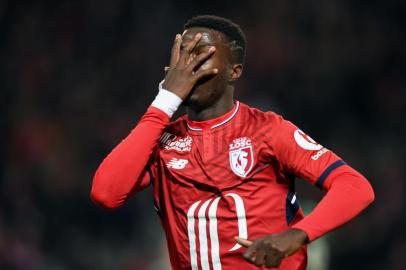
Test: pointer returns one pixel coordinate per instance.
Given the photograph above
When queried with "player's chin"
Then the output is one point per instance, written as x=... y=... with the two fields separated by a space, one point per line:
x=196 y=98
x=192 y=100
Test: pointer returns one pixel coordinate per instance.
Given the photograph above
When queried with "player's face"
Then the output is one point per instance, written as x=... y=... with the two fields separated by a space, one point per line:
x=209 y=89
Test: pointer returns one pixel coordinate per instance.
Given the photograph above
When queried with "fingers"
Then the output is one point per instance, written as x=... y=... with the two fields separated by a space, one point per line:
x=175 y=51
x=259 y=258
x=204 y=73
x=243 y=242
x=273 y=260
x=185 y=53
x=268 y=261
x=260 y=254
x=199 y=59
x=250 y=253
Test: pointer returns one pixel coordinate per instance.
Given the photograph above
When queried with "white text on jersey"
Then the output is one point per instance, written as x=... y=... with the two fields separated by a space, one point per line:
x=171 y=142
x=319 y=153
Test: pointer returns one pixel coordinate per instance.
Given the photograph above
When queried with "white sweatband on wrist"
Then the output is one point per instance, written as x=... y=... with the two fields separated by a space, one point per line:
x=166 y=101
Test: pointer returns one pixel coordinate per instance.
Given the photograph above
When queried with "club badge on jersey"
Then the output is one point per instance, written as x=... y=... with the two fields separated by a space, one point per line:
x=241 y=156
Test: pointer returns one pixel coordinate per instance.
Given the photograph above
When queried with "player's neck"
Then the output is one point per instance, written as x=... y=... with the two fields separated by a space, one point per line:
x=217 y=109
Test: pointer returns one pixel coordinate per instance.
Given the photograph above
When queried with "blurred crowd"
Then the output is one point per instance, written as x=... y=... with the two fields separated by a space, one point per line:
x=77 y=75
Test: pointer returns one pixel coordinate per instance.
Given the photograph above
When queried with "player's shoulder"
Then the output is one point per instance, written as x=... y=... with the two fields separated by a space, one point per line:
x=268 y=117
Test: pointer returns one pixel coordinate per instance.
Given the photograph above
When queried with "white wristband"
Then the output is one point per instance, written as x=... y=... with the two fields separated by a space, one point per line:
x=166 y=101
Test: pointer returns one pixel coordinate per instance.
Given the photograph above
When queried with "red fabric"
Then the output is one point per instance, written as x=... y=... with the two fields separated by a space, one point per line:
x=215 y=180
x=297 y=153
x=348 y=194
x=348 y=191
x=123 y=171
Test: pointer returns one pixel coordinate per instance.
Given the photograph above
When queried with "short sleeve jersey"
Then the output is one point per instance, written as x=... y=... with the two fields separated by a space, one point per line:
x=232 y=176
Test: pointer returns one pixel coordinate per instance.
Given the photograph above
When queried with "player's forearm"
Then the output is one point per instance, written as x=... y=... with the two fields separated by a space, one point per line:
x=348 y=194
x=121 y=172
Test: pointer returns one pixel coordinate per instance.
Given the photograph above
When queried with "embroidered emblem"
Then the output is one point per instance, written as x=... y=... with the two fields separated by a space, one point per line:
x=241 y=156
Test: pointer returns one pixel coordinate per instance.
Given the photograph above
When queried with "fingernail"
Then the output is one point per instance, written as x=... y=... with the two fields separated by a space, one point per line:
x=215 y=70
x=212 y=49
x=198 y=35
x=177 y=36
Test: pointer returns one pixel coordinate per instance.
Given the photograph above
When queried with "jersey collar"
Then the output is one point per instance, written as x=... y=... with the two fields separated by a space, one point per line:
x=215 y=122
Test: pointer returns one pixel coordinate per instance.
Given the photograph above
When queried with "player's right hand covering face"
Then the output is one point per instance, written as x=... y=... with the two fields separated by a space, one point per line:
x=183 y=72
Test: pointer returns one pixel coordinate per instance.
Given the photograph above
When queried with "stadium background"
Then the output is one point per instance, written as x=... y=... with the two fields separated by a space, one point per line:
x=77 y=75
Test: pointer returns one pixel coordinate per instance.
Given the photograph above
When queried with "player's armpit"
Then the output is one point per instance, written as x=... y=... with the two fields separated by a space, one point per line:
x=124 y=171
x=348 y=193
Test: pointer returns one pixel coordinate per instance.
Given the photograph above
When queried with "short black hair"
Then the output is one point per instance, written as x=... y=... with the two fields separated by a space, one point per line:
x=231 y=30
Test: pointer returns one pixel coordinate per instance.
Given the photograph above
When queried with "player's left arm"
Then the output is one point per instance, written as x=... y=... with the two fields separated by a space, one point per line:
x=348 y=193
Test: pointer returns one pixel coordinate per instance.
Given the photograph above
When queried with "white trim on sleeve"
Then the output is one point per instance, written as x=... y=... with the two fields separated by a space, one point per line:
x=166 y=101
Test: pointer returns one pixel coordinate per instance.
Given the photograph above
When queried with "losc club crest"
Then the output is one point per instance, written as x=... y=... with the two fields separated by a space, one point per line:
x=241 y=156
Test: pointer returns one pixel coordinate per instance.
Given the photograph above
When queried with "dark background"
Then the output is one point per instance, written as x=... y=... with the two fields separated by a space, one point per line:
x=77 y=75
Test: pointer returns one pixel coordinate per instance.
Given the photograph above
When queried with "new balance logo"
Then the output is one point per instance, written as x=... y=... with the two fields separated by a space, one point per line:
x=177 y=164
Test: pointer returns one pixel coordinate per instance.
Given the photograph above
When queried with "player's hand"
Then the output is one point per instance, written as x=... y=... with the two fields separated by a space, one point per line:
x=183 y=72
x=270 y=250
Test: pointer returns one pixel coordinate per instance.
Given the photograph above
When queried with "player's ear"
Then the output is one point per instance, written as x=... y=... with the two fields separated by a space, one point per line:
x=236 y=71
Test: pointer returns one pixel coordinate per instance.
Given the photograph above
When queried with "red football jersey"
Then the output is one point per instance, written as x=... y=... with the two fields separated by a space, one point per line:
x=231 y=176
